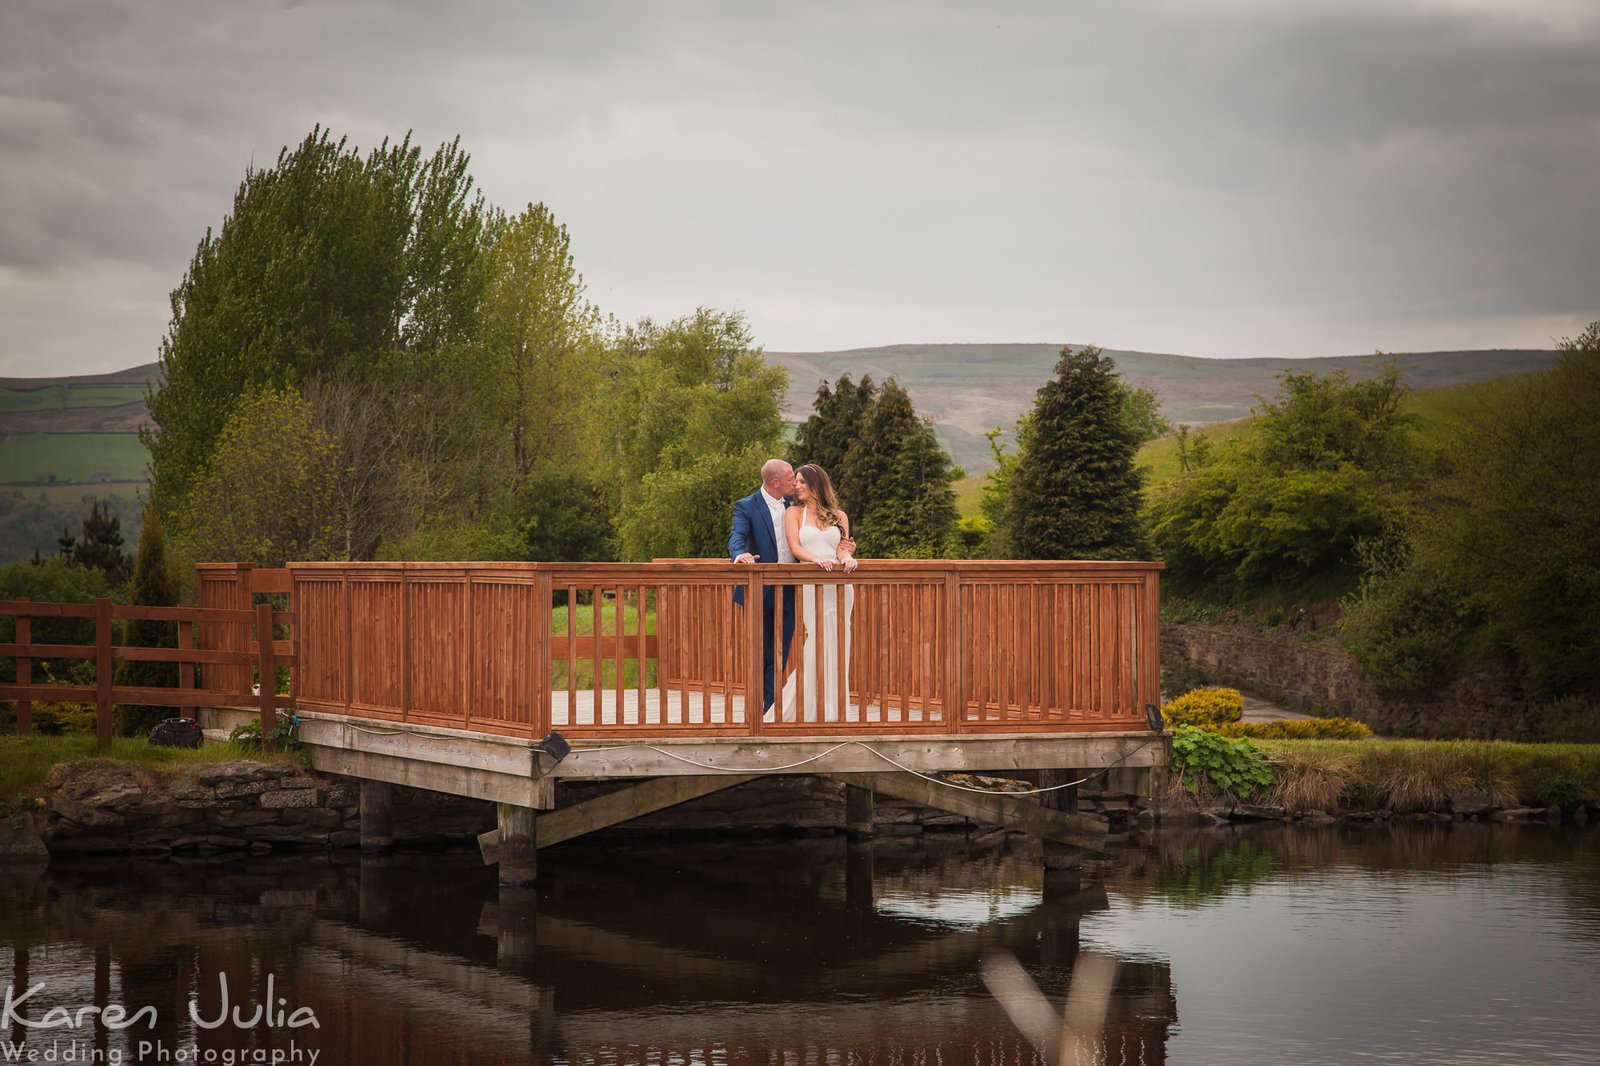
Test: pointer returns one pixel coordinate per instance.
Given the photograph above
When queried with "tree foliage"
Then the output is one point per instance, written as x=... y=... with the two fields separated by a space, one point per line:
x=1074 y=491
x=98 y=544
x=897 y=478
x=837 y=418
x=331 y=262
x=541 y=341
x=1324 y=468
x=690 y=402
x=267 y=494
x=153 y=585
x=1498 y=556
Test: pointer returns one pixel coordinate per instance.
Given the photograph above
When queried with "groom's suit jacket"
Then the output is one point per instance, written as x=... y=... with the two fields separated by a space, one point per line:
x=752 y=532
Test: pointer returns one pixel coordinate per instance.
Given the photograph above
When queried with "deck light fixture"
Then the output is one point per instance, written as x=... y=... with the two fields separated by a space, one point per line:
x=1152 y=718
x=554 y=745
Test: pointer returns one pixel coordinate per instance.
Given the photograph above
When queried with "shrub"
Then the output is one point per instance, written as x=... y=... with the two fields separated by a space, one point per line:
x=1312 y=780
x=1299 y=729
x=1204 y=707
x=1211 y=764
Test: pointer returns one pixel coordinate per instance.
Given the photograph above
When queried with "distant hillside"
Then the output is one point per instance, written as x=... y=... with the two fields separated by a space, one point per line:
x=968 y=389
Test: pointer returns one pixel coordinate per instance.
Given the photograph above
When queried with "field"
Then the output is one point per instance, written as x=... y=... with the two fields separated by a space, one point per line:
x=30 y=458
x=63 y=397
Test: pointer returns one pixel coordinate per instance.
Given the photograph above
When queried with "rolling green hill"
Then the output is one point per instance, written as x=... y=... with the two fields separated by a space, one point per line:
x=968 y=389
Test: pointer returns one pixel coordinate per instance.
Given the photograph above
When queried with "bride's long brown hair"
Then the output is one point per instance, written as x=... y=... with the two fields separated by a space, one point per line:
x=821 y=487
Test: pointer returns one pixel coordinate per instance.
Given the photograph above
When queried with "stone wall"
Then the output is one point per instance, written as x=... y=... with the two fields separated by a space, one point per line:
x=1317 y=679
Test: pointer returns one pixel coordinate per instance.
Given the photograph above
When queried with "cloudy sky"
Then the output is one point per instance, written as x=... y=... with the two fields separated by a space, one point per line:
x=1216 y=177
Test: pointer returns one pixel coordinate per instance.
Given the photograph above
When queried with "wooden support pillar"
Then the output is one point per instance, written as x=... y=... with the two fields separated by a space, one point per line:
x=1059 y=856
x=377 y=817
x=519 y=845
x=858 y=812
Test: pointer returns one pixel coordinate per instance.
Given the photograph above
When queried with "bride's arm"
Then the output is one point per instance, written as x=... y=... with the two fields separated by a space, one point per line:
x=846 y=554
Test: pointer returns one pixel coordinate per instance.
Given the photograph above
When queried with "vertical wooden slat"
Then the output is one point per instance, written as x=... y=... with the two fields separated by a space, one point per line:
x=881 y=652
x=806 y=596
x=727 y=650
x=269 y=681
x=186 y=668
x=779 y=648
x=572 y=654
x=102 y=672
x=955 y=647
x=540 y=636
x=640 y=683
x=618 y=628
x=841 y=636
x=663 y=650
x=682 y=603
x=25 y=674
x=1149 y=658
x=905 y=646
x=408 y=639
x=597 y=683
x=753 y=682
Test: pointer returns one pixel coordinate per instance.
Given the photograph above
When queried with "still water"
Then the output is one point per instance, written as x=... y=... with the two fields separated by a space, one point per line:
x=1471 y=944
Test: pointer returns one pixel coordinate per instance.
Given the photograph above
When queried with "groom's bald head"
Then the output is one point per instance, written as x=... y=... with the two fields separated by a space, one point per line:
x=778 y=477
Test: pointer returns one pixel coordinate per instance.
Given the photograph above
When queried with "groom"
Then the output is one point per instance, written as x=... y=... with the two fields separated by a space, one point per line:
x=758 y=537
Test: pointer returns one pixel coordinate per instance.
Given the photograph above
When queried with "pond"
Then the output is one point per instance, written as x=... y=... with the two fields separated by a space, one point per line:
x=1444 y=943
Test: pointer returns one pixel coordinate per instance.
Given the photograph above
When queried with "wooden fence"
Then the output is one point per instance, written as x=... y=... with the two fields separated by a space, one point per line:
x=663 y=649
x=221 y=651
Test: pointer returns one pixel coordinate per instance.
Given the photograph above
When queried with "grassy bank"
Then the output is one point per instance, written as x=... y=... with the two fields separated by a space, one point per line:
x=1422 y=775
x=24 y=761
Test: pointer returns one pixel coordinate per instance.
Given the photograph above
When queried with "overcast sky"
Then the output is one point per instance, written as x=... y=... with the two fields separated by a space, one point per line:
x=1218 y=177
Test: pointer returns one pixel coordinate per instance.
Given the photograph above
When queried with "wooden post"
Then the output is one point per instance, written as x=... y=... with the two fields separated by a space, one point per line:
x=186 y=668
x=102 y=672
x=269 y=679
x=377 y=816
x=754 y=681
x=542 y=623
x=955 y=703
x=519 y=845
x=24 y=677
x=858 y=812
x=1059 y=856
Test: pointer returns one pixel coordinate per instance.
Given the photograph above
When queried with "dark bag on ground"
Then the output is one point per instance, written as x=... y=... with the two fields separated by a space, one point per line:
x=176 y=733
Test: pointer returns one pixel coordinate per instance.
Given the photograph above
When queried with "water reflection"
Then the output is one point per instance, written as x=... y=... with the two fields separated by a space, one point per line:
x=803 y=951
x=1320 y=946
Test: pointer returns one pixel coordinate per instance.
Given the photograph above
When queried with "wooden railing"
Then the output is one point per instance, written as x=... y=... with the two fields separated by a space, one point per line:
x=934 y=647
x=228 y=646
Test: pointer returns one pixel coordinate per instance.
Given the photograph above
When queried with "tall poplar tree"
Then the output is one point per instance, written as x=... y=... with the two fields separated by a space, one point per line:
x=837 y=417
x=1075 y=492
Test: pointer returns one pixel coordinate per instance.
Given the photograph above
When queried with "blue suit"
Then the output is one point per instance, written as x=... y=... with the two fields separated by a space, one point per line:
x=752 y=532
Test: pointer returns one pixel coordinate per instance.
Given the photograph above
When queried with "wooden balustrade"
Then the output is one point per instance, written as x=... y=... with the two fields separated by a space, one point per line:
x=226 y=671
x=662 y=649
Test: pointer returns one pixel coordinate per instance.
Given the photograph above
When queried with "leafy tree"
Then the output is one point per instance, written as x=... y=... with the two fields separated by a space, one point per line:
x=541 y=337
x=1498 y=555
x=1141 y=409
x=153 y=586
x=691 y=399
x=565 y=518
x=53 y=580
x=837 y=418
x=267 y=494
x=1325 y=467
x=898 y=477
x=1074 y=493
x=330 y=261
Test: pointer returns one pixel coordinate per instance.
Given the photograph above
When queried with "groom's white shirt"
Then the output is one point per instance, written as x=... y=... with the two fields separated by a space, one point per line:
x=775 y=506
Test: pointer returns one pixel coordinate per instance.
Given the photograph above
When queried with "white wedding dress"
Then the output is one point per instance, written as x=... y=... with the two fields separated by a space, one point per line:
x=821 y=636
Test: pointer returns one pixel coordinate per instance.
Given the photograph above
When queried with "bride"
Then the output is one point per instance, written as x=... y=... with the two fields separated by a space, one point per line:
x=814 y=528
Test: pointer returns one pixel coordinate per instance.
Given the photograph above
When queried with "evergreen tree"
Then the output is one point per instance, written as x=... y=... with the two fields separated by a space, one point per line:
x=837 y=417
x=1075 y=491
x=153 y=586
x=898 y=480
x=99 y=545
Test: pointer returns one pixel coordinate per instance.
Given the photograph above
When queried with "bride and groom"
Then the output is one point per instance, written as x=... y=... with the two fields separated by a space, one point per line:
x=795 y=517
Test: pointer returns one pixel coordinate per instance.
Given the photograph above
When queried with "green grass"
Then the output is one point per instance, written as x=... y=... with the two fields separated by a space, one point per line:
x=1418 y=775
x=24 y=761
x=62 y=397
x=969 y=494
x=583 y=616
x=33 y=457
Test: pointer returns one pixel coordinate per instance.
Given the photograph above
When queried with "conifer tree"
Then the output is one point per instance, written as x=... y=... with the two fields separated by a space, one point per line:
x=898 y=478
x=152 y=586
x=1075 y=491
x=837 y=417
x=99 y=545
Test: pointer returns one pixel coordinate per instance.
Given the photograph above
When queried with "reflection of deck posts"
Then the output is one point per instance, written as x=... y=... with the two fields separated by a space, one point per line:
x=376 y=893
x=519 y=844
x=1062 y=862
x=516 y=919
x=377 y=817
x=858 y=812
x=858 y=877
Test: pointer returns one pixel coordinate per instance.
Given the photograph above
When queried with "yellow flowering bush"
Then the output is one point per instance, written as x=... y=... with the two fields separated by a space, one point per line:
x=1204 y=707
